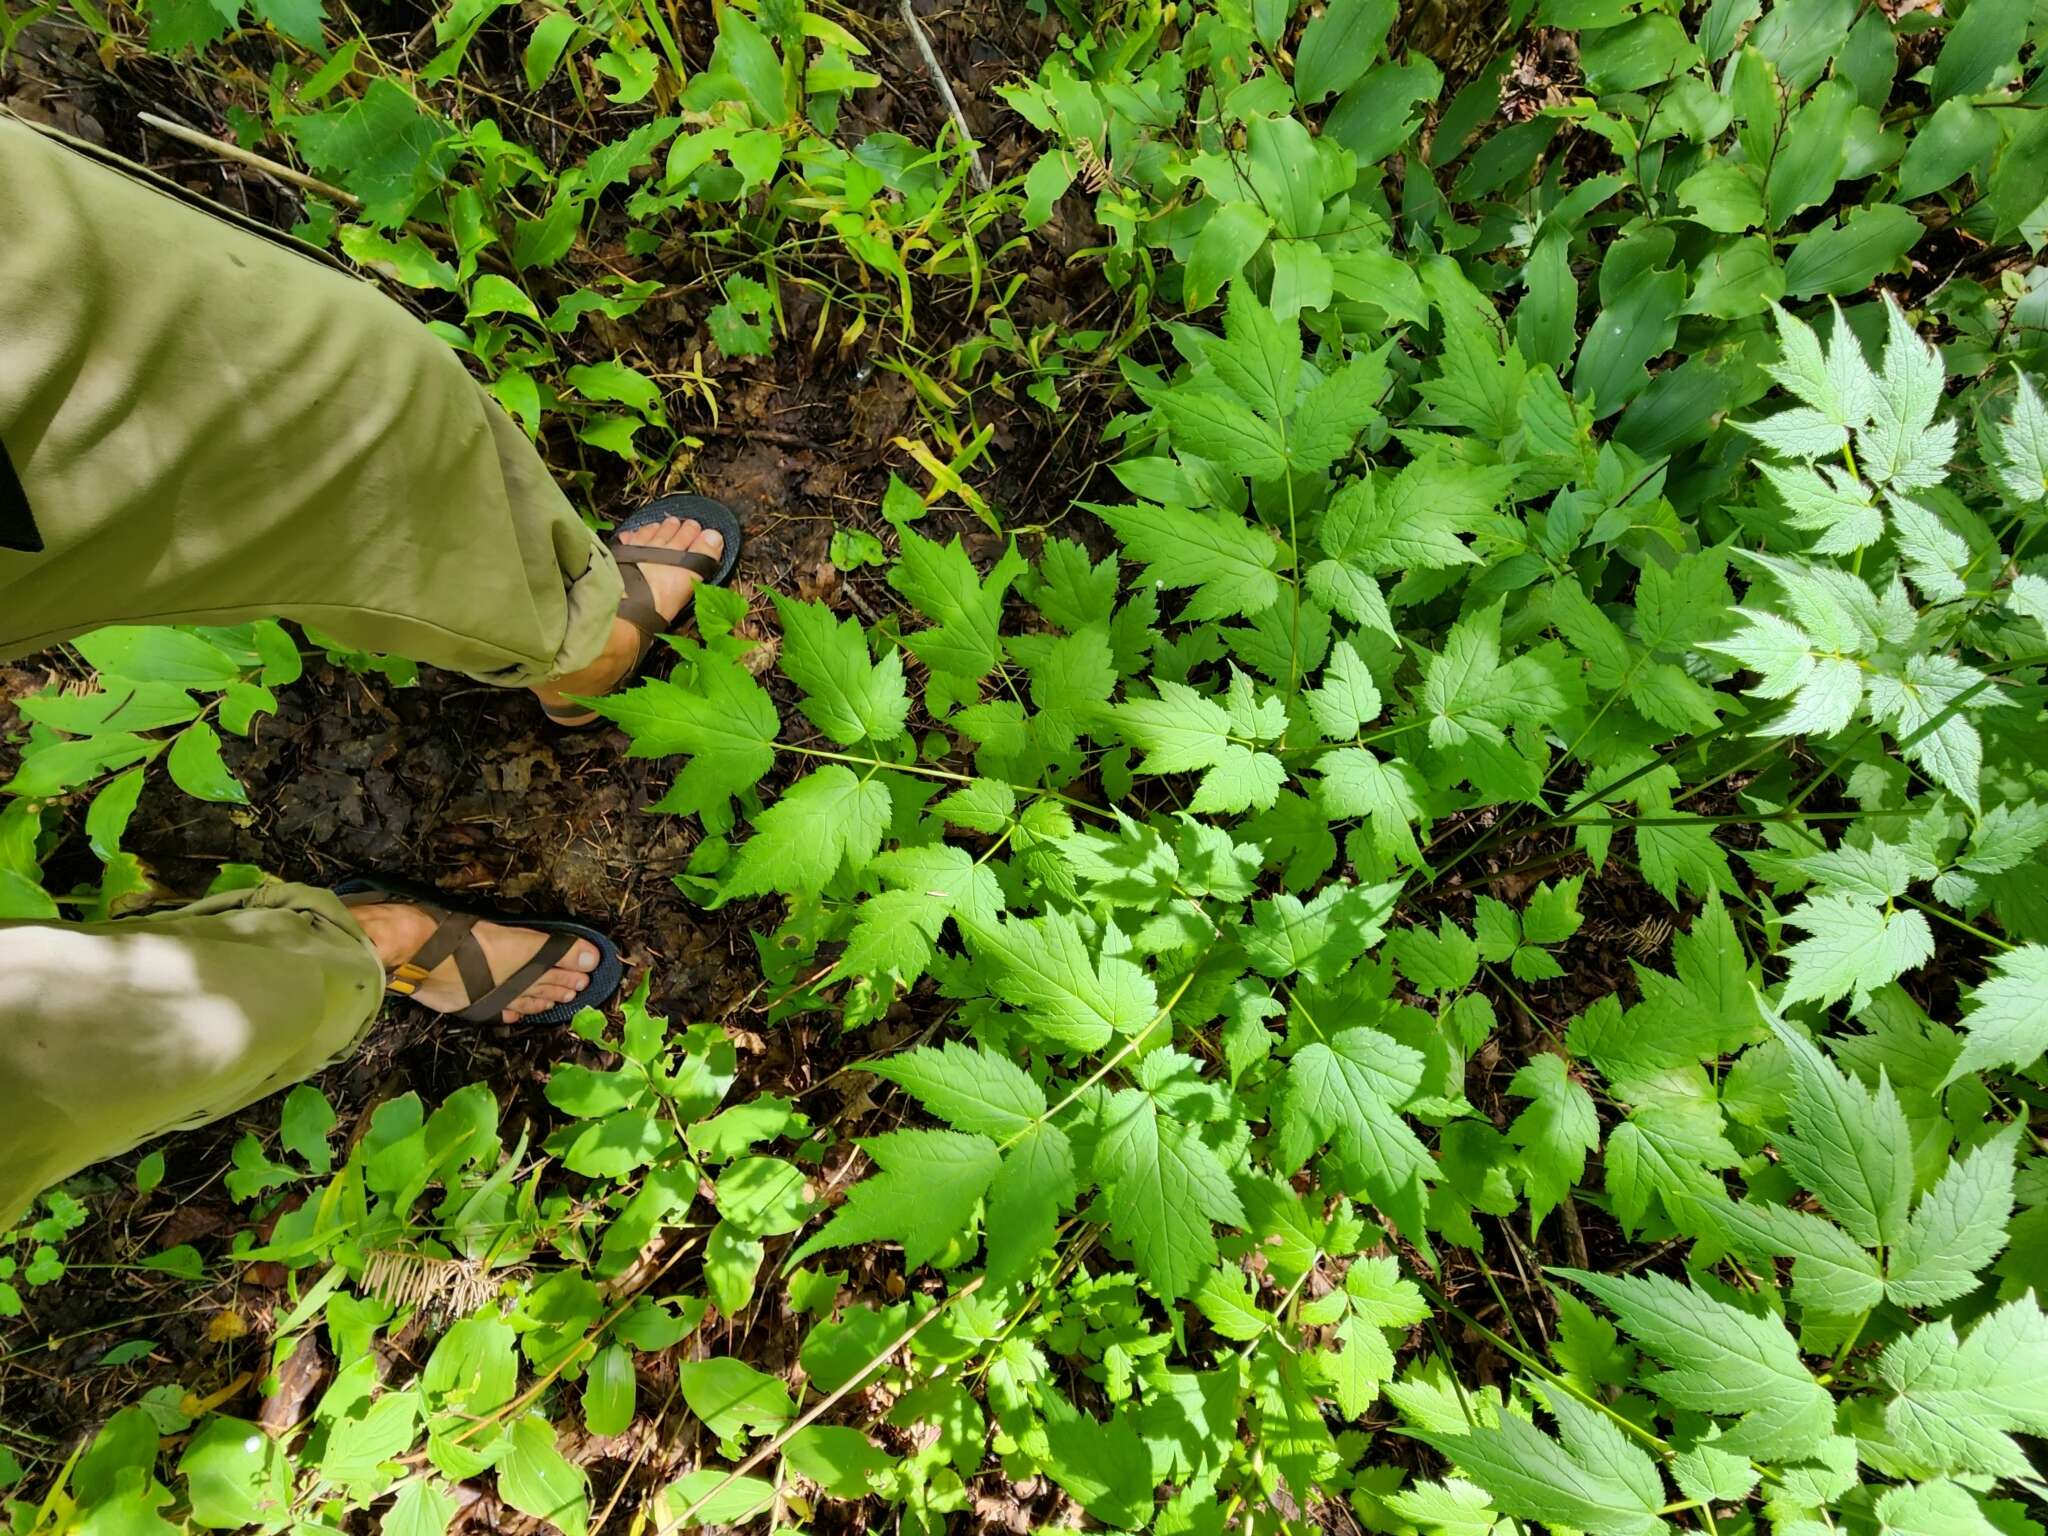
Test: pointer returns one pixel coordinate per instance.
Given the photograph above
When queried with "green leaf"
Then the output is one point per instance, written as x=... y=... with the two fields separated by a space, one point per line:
x=1954 y=1400
x=495 y=295
x=1225 y=1299
x=1042 y=967
x=1103 y=1466
x=1984 y=41
x=924 y=1195
x=1946 y=147
x=1165 y=1186
x=1208 y=420
x=536 y=1479
x=196 y=767
x=381 y=146
x=940 y=581
x=725 y=1502
x=1339 y=46
x=1724 y=196
x=423 y=1508
x=1035 y=1183
x=969 y=1089
x=744 y=52
x=724 y=723
x=1638 y=325
x=608 y=1391
x=1470 y=693
x=617 y=383
x=144 y=654
x=1347 y=698
x=824 y=821
x=1348 y=1092
x=235 y=1476
x=1593 y=1480
x=842 y=1461
x=1958 y=1227
x=1555 y=1132
x=123 y=707
x=1844 y=258
x=732 y=1397
x=1228 y=559
x=1831 y=1272
x=54 y=767
x=849 y=696
x=304 y=1125
x=2007 y=1024
x=1850 y=1145
x=1939 y=1508
x=1319 y=938
x=1285 y=173
x=1232 y=235
x=1721 y=1360
x=763 y=1196
x=1853 y=947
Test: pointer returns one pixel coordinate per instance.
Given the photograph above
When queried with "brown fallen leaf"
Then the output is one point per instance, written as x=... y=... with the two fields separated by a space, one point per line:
x=303 y=1373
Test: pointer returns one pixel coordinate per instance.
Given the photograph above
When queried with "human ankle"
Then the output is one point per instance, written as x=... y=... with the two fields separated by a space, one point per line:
x=394 y=930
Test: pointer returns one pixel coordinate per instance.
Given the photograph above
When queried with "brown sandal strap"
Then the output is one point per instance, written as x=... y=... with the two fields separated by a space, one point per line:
x=695 y=560
x=485 y=1009
x=637 y=607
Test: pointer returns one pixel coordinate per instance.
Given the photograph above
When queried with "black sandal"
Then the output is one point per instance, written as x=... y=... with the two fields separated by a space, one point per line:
x=637 y=606
x=453 y=936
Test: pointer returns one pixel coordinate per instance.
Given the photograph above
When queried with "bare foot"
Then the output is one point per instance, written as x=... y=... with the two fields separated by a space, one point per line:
x=672 y=586
x=398 y=931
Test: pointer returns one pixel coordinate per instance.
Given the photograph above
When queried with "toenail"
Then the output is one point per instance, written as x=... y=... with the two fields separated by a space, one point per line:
x=587 y=958
x=713 y=539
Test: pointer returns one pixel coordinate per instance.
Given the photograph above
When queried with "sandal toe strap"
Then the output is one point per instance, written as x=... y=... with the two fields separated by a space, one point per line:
x=486 y=1007
x=694 y=560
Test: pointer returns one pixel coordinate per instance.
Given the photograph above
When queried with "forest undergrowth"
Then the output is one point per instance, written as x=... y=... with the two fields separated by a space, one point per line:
x=1384 y=864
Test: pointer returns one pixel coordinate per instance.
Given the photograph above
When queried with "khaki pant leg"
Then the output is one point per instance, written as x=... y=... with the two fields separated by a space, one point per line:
x=112 y=1033
x=212 y=426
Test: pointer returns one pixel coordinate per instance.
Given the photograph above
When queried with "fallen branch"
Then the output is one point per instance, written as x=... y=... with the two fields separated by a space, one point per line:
x=931 y=65
x=255 y=162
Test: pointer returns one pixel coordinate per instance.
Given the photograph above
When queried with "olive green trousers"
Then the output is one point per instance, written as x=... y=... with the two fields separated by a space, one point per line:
x=204 y=423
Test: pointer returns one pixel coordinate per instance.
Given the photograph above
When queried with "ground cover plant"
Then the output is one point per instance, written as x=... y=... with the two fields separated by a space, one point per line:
x=1440 y=930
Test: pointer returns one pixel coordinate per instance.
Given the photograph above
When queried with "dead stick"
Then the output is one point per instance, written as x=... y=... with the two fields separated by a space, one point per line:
x=299 y=179
x=255 y=162
x=931 y=65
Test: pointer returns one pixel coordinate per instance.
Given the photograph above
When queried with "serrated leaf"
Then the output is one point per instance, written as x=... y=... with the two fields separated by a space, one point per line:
x=1721 y=1360
x=1230 y=561
x=848 y=695
x=2008 y=1024
x=1043 y=967
x=1555 y=1132
x=924 y=1195
x=823 y=822
x=969 y=1089
x=1597 y=1483
x=1165 y=1189
x=724 y=723
x=1956 y=1399
x=1958 y=1227
x=1852 y=947
x=1848 y=1144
